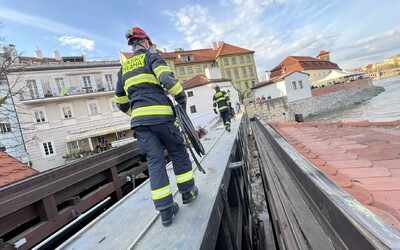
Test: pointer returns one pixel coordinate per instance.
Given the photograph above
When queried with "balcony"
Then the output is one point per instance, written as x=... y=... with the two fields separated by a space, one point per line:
x=73 y=92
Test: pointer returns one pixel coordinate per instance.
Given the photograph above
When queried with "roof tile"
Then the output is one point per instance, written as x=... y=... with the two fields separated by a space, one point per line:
x=12 y=170
x=369 y=159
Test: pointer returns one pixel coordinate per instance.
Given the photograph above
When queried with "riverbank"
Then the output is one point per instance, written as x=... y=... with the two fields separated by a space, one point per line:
x=380 y=108
x=333 y=98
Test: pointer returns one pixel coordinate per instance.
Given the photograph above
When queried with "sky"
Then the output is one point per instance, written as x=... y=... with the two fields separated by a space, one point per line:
x=355 y=32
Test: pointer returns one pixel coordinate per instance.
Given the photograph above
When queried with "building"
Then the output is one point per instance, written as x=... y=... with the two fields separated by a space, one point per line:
x=234 y=63
x=294 y=85
x=66 y=108
x=317 y=68
x=200 y=92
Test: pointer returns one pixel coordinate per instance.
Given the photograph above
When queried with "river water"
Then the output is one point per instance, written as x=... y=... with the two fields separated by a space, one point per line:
x=381 y=108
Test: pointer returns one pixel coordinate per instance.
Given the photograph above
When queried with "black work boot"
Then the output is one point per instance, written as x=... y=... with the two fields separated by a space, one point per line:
x=190 y=196
x=167 y=215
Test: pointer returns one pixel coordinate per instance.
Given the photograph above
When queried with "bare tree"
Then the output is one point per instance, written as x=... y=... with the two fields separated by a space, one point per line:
x=10 y=130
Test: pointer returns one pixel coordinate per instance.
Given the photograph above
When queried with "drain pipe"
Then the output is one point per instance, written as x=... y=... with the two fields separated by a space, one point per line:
x=60 y=233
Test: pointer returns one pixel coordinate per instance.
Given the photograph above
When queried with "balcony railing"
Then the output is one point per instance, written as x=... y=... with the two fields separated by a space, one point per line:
x=72 y=91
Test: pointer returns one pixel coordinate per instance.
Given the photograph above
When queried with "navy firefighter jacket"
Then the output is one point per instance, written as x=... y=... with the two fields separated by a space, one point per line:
x=221 y=99
x=140 y=89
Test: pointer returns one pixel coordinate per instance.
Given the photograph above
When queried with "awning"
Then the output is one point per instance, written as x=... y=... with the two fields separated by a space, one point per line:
x=98 y=132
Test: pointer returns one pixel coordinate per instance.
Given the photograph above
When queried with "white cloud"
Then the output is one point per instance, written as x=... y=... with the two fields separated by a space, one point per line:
x=49 y=25
x=77 y=43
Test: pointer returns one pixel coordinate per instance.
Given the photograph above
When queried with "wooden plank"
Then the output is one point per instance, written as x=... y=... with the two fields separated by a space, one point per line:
x=47 y=208
x=41 y=231
x=117 y=186
x=17 y=219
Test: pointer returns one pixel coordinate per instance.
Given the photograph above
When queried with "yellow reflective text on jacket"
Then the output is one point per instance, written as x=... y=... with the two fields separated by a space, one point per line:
x=133 y=63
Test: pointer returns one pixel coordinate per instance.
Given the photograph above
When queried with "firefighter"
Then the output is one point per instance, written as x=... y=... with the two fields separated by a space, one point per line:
x=221 y=99
x=140 y=94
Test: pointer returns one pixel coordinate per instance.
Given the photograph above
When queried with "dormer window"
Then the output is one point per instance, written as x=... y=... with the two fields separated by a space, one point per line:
x=186 y=58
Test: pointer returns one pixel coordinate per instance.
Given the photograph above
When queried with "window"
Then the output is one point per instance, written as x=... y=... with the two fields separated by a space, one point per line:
x=39 y=115
x=294 y=85
x=60 y=82
x=33 y=88
x=246 y=84
x=5 y=125
x=253 y=83
x=198 y=69
x=48 y=148
x=182 y=70
x=109 y=82
x=241 y=58
x=190 y=71
x=168 y=64
x=226 y=62
x=248 y=59
x=228 y=74
x=114 y=106
x=301 y=84
x=244 y=72
x=86 y=81
x=187 y=58
x=93 y=108
x=251 y=71
x=193 y=109
x=239 y=86
x=233 y=60
x=74 y=145
x=67 y=112
x=236 y=73
x=190 y=93
x=204 y=66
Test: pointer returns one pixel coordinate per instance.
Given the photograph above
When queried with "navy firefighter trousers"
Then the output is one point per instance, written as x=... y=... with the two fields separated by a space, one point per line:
x=152 y=140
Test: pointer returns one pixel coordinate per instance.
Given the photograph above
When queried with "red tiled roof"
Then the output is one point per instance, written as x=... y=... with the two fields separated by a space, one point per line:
x=228 y=49
x=301 y=63
x=361 y=157
x=200 y=55
x=12 y=170
x=201 y=80
x=37 y=60
x=196 y=81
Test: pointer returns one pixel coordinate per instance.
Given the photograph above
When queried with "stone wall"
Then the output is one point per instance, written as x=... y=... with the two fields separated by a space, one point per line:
x=324 y=100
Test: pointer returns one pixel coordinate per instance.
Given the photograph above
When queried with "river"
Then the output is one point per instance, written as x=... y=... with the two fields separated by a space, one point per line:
x=381 y=108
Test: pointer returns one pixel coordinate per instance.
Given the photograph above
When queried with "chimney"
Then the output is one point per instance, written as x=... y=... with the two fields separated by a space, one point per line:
x=267 y=75
x=56 y=55
x=213 y=73
x=214 y=46
x=164 y=50
x=220 y=43
x=38 y=53
x=83 y=57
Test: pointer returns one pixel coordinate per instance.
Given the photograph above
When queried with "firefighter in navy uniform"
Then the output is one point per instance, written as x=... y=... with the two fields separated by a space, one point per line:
x=140 y=94
x=221 y=99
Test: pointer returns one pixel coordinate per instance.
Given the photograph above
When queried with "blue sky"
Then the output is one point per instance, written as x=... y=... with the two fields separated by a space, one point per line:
x=356 y=32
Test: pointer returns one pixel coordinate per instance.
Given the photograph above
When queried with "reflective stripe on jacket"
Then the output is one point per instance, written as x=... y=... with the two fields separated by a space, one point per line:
x=221 y=99
x=140 y=89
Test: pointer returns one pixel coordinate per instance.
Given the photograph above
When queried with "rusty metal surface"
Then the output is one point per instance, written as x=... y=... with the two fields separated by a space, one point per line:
x=34 y=208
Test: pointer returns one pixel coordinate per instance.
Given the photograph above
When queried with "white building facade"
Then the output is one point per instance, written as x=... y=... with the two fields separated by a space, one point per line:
x=295 y=86
x=67 y=111
x=200 y=91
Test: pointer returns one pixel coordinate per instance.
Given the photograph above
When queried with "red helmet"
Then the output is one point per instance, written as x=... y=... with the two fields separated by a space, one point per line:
x=138 y=33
